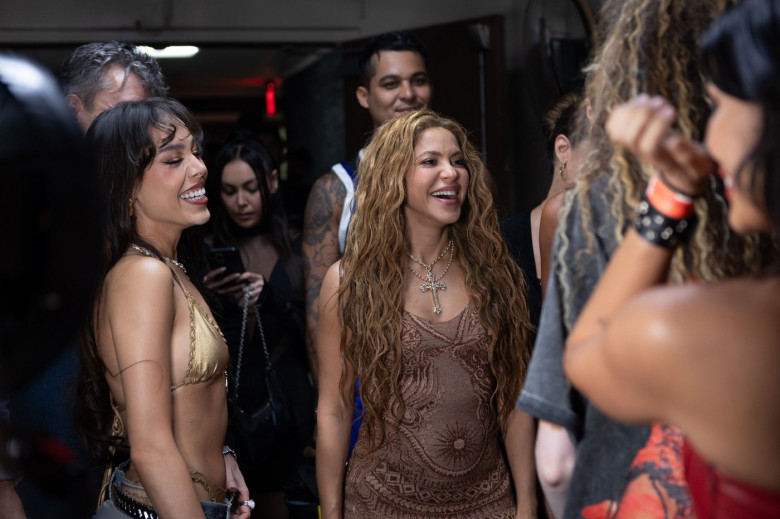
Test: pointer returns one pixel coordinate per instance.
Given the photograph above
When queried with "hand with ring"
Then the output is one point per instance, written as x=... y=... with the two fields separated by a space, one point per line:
x=252 y=285
x=242 y=505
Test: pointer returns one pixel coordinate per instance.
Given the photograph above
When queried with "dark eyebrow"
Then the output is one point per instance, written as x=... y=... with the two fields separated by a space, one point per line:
x=242 y=183
x=172 y=147
x=419 y=73
x=389 y=76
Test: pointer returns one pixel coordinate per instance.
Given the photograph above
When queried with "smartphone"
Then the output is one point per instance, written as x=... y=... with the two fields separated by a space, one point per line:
x=225 y=257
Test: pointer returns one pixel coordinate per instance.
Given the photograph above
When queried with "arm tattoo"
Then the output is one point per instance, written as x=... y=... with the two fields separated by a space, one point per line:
x=320 y=248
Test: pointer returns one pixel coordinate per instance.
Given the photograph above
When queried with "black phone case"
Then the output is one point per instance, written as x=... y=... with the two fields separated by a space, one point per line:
x=226 y=257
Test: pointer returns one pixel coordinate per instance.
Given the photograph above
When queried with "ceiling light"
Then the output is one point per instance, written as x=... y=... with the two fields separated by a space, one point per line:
x=172 y=51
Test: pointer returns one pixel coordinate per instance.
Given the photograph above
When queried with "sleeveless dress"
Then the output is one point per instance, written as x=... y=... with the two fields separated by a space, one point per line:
x=444 y=459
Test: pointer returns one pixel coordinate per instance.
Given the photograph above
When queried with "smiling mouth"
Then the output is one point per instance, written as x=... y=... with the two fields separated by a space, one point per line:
x=446 y=195
x=195 y=194
x=405 y=109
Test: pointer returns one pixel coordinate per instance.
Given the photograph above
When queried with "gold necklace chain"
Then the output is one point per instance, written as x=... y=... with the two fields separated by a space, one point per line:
x=147 y=252
x=429 y=267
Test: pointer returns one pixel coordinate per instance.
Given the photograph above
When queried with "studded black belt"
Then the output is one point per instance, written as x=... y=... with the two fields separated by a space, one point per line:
x=130 y=506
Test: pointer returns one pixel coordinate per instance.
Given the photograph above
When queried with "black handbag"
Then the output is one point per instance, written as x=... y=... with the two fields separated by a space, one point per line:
x=257 y=433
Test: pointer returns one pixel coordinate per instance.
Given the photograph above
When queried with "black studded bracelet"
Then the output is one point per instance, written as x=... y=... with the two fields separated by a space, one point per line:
x=659 y=229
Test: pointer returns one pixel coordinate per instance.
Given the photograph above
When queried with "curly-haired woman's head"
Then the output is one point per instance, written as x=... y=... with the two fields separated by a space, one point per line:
x=382 y=188
x=648 y=46
x=651 y=46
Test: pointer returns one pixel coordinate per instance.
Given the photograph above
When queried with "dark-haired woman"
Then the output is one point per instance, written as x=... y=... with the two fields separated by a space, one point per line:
x=703 y=356
x=249 y=215
x=154 y=361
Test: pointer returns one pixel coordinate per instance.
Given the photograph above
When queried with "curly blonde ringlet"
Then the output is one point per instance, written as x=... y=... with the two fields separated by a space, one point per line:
x=650 y=46
x=374 y=268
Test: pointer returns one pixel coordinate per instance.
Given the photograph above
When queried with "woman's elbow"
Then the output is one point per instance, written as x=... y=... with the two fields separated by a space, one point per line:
x=555 y=456
x=554 y=473
x=145 y=453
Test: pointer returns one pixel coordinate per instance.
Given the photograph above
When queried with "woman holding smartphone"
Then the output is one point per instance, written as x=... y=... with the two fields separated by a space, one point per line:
x=249 y=215
x=153 y=360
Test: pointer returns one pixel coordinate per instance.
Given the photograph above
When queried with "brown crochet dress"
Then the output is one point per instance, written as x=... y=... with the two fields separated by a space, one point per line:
x=444 y=459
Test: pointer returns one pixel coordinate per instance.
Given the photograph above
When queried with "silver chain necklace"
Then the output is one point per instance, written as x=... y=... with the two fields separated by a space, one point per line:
x=147 y=252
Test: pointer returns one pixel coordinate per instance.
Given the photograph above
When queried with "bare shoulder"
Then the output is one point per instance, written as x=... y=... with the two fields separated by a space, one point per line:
x=138 y=275
x=139 y=310
x=716 y=347
x=330 y=183
x=327 y=195
x=725 y=304
x=687 y=323
x=553 y=206
x=141 y=267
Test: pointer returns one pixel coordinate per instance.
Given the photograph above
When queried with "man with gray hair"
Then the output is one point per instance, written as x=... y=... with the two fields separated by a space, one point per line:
x=97 y=76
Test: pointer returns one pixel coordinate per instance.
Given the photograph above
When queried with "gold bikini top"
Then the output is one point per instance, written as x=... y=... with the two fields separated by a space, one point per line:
x=208 y=360
x=208 y=349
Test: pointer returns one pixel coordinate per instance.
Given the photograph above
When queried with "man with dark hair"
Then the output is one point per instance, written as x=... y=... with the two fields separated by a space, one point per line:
x=385 y=62
x=97 y=76
x=394 y=72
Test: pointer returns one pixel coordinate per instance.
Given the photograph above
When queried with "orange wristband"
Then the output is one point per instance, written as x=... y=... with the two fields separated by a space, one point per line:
x=667 y=201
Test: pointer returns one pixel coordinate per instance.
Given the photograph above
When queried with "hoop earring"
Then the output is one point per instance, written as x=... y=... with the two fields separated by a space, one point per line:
x=131 y=200
x=562 y=171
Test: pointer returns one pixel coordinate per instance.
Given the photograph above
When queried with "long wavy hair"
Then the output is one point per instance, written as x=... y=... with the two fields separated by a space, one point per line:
x=651 y=46
x=123 y=147
x=273 y=221
x=374 y=267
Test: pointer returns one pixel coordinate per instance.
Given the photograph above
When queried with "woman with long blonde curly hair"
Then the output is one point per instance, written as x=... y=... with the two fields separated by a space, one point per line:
x=648 y=46
x=428 y=311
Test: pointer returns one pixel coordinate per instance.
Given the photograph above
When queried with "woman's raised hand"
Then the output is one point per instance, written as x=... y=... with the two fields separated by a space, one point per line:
x=644 y=126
